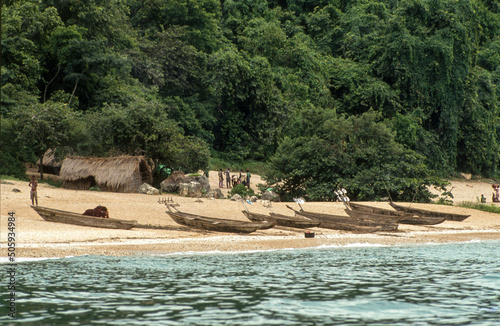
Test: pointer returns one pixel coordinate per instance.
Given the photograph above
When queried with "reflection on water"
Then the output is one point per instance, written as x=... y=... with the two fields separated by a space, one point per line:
x=456 y=284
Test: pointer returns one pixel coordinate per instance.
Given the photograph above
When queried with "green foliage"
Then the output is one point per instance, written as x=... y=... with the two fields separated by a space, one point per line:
x=357 y=153
x=174 y=80
x=143 y=128
x=26 y=29
x=247 y=110
x=482 y=207
x=43 y=126
x=255 y=167
x=241 y=190
x=12 y=153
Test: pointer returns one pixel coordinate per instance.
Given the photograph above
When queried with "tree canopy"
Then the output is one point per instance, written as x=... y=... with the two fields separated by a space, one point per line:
x=329 y=92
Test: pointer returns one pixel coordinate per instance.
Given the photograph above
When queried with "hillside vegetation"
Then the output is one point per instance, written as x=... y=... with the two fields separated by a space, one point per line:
x=378 y=96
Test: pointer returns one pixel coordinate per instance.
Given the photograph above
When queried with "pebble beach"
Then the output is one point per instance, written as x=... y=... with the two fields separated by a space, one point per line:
x=37 y=238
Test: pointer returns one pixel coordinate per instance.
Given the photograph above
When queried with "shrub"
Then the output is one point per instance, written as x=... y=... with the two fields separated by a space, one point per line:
x=242 y=191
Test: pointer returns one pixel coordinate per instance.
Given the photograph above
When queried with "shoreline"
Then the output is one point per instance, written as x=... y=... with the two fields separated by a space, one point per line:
x=36 y=238
x=58 y=249
x=242 y=244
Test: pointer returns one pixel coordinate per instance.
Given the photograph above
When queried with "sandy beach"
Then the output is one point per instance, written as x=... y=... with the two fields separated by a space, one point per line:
x=35 y=237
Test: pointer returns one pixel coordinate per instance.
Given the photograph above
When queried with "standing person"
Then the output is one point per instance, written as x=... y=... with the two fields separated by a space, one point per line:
x=221 y=179
x=496 y=195
x=248 y=178
x=228 y=178
x=33 y=193
x=241 y=179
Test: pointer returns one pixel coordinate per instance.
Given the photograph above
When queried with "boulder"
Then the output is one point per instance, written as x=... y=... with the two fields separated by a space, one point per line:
x=236 y=198
x=147 y=189
x=254 y=199
x=466 y=176
x=171 y=184
x=201 y=179
x=271 y=196
x=215 y=193
x=191 y=189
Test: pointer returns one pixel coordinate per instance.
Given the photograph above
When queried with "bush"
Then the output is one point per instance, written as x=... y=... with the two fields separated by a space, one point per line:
x=242 y=191
x=359 y=154
x=11 y=166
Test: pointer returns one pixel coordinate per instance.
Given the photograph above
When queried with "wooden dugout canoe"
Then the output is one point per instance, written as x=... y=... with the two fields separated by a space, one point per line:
x=347 y=223
x=216 y=224
x=427 y=213
x=377 y=210
x=59 y=216
x=283 y=220
x=408 y=219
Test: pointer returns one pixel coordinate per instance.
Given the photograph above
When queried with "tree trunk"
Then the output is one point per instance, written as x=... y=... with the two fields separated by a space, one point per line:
x=74 y=89
x=50 y=82
x=41 y=167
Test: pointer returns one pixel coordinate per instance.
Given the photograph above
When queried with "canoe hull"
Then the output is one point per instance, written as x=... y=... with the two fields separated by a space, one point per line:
x=215 y=224
x=347 y=223
x=407 y=219
x=282 y=220
x=377 y=210
x=59 y=216
x=427 y=213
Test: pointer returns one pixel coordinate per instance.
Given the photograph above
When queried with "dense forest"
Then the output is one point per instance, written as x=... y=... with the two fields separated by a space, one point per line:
x=375 y=96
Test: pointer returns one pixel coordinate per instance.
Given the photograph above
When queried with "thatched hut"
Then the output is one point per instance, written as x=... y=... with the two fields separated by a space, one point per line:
x=117 y=174
x=50 y=164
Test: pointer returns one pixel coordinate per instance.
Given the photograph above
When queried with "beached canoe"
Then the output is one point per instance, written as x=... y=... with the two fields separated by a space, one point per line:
x=56 y=215
x=377 y=210
x=374 y=217
x=217 y=224
x=283 y=220
x=409 y=219
x=347 y=223
x=428 y=213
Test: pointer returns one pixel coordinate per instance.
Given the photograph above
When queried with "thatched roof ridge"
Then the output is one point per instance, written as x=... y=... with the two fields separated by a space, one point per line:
x=112 y=171
x=49 y=159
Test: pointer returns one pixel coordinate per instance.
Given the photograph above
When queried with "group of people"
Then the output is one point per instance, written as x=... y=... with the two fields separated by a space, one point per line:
x=232 y=181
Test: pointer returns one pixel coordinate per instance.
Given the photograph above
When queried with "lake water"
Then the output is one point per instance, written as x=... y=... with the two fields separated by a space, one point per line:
x=448 y=284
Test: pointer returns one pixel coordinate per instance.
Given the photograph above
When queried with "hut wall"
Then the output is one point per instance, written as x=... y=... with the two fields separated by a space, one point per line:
x=129 y=185
x=80 y=184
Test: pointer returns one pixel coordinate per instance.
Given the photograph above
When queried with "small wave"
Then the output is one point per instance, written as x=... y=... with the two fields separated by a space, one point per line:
x=4 y=260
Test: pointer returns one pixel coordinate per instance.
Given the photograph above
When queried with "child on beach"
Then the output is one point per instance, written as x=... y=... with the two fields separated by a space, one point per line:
x=33 y=193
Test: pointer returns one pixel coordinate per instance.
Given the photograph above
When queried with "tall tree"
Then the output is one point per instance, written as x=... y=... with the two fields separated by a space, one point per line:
x=44 y=126
x=247 y=104
x=357 y=153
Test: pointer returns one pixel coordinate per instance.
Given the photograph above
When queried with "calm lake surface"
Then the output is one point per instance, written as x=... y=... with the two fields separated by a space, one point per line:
x=450 y=284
